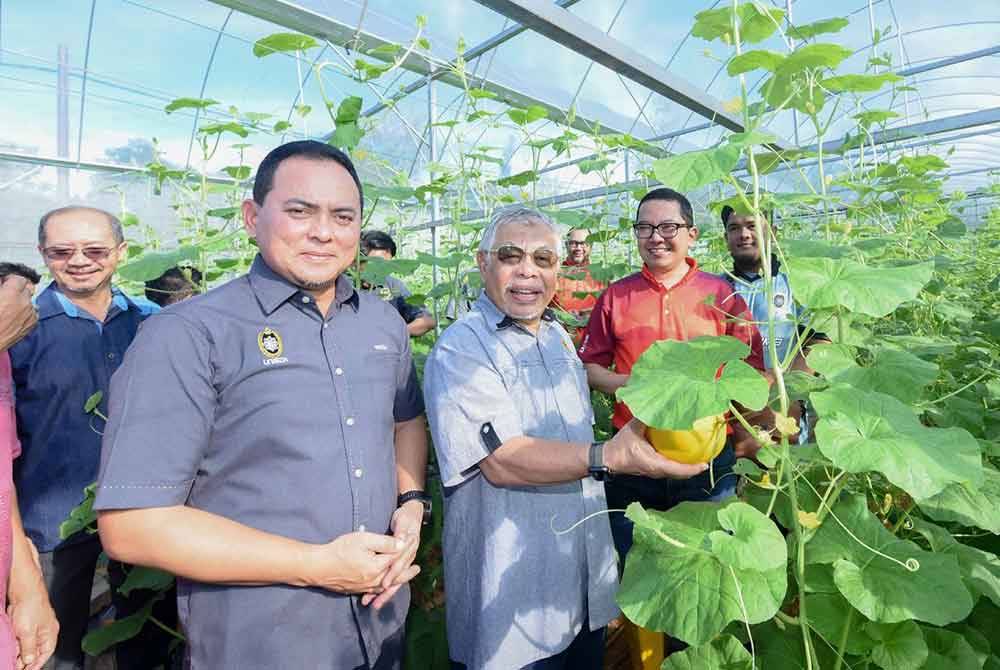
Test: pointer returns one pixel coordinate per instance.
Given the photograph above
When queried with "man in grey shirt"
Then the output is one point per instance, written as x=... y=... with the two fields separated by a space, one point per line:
x=511 y=421
x=260 y=435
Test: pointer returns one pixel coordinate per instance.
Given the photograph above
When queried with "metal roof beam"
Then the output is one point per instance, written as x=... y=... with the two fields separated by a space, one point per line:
x=299 y=19
x=587 y=40
x=945 y=62
x=93 y=166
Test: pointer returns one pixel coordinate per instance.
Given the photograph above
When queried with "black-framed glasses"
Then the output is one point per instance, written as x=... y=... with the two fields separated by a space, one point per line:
x=666 y=230
x=576 y=243
x=66 y=253
x=511 y=254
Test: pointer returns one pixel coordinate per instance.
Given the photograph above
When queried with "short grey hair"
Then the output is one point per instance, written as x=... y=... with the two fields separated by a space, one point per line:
x=517 y=214
x=116 y=226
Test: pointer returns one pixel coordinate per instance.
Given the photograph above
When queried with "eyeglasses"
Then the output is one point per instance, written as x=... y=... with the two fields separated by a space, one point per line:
x=576 y=243
x=66 y=253
x=511 y=254
x=666 y=230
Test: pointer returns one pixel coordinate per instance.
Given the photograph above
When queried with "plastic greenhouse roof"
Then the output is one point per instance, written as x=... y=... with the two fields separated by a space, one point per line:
x=127 y=59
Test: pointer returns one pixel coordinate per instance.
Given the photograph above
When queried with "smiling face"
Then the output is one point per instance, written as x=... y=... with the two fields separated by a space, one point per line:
x=741 y=238
x=88 y=236
x=577 y=247
x=521 y=290
x=664 y=256
x=309 y=225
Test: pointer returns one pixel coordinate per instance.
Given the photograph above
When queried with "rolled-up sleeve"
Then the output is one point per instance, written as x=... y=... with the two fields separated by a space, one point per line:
x=408 y=403
x=161 y=409
x=466 y=396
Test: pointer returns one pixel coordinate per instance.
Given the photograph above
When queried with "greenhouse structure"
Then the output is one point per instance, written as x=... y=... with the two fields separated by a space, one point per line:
x=853 y=380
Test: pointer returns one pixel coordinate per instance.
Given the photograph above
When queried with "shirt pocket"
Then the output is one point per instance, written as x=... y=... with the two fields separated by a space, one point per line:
x=376 y=385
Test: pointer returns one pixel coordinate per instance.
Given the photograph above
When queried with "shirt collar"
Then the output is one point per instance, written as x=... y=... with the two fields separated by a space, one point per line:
x=651 y=278
x=750 y=278
x=52 y=302
x=273 y=290
x=500 y=320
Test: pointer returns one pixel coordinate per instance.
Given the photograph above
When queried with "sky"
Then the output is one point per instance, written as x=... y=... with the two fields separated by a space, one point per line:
x=144 y=53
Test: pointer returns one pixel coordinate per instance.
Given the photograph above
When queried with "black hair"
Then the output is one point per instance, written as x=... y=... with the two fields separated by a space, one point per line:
x=377 y=239
x=173 y=286
x=727 y=212
x=116 y=225
x=670 y=195
x=264 y=181
x=21 y=270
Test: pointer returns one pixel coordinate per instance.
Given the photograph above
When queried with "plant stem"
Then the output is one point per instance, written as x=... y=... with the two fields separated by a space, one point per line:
x=159 y=624
x=844 y=634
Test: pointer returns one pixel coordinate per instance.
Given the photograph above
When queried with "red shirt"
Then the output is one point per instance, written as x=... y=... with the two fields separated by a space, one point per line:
x=638 y=310
x=568 y=284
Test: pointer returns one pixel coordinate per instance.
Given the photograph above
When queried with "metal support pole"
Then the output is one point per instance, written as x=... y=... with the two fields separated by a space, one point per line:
x=628 y=177
x=791 y=47
x=62 y=117
x=435 y=199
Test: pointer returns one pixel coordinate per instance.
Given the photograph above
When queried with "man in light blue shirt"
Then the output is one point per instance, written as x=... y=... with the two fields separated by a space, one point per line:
x=509 y=410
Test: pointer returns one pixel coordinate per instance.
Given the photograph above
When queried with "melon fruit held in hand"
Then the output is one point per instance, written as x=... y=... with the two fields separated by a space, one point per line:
x=699 y=445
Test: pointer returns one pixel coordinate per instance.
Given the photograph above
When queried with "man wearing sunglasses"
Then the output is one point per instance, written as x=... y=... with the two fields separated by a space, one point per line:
x=510 y=415
x=85 y=324
x=669 y=299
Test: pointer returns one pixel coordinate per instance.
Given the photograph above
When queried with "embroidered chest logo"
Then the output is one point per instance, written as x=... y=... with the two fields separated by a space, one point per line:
x=270 y=344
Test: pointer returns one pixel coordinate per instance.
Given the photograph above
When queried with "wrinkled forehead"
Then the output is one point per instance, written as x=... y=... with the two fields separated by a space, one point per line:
x=79 y=227
x=528 y=235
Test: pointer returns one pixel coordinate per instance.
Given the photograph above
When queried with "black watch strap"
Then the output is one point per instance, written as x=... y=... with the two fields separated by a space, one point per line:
x=422 y=496
x=596 y=467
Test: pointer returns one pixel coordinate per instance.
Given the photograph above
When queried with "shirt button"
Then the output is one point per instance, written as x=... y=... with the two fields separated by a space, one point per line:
x=111 y=356
x=350 y=421
x=325 y=326
x=305 y=298
x=338 y=371
x=361 y=528
x=358 y=472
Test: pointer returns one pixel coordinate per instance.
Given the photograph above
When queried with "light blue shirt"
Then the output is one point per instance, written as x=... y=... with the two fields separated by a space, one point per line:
x=518 y=590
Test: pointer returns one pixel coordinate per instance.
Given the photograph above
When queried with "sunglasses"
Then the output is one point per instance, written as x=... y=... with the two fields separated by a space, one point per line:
x=511 y=254
x=666 y=230
x=66 y=253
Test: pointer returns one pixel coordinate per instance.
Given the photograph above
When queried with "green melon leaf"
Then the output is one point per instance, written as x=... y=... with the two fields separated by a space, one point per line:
x=948 y=651
x=828 y=613
x=813 y=56
x=282 y=42
x=723 y=652
x=810 y=30
x=757 y=59
x=687 y=172
x=189 y=103
x=142 y=577
x=980 y=569
x=859 y=83
x=673 y=384
x=892 y=371
x=875 y=291
x=898 y=646
x=885 y=590
x=659 y=574
x=968 y=504
x=152 y=265
x=865 y=431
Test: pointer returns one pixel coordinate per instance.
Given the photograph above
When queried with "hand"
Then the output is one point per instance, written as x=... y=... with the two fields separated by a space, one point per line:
x=352 y=563
x=629 y=452
x=17 y=315
x=35 y=627
x=405 y=525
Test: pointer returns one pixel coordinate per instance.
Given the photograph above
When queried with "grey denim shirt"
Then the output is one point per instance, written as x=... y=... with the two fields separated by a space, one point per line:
x=517 y=590
x=247 y=403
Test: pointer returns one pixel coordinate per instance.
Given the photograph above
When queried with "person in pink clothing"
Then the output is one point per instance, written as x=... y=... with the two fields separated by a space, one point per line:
x=28 y=626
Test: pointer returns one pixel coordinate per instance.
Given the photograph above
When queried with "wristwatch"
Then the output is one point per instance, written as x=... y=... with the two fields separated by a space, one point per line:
x=417 y=495
x=597 y=469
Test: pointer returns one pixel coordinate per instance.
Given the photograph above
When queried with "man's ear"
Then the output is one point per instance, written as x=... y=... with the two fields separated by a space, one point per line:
x=249 y=208
x=481 y=261
x=693 y=232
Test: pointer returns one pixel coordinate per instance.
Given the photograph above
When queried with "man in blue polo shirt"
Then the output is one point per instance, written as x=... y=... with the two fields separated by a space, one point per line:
x=84 y=327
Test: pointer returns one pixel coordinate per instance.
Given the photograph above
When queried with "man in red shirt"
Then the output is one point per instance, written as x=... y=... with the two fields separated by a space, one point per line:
x=669 y=299
x=575 y=278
